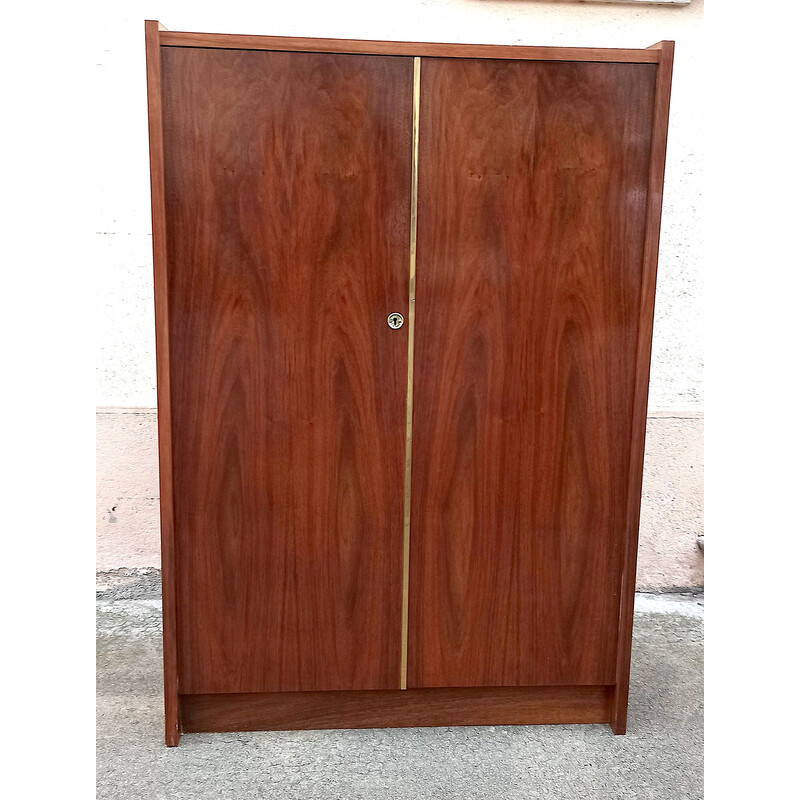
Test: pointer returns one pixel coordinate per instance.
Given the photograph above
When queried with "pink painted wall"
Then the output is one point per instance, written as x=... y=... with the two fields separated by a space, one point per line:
x=672 y=497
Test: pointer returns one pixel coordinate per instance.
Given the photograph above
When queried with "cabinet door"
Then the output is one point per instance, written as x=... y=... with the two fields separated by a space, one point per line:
x=287 y=181
x=532 y=191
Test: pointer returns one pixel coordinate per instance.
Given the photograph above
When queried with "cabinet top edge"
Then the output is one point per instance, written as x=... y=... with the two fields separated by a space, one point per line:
x=651 y=55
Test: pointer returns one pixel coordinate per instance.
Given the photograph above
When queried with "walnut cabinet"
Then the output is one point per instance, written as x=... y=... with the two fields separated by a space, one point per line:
x=404 y=301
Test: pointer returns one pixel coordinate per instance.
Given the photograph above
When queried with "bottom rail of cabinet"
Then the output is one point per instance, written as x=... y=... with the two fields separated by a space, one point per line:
x=411 y=708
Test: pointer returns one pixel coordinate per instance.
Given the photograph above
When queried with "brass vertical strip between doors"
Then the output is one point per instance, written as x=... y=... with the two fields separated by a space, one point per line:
x=412 y=269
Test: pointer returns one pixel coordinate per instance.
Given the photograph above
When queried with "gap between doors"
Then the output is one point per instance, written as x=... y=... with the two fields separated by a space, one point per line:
x=412 y=268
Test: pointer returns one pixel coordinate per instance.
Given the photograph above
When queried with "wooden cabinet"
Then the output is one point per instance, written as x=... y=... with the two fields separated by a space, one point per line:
x=404 y=300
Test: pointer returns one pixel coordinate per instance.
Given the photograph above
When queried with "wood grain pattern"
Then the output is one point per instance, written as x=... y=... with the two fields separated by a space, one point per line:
x=396 y=709
x=532 y=200
x=428 y=49
x=287 y=197
x=158 y=212
x=655 y=190
x=275 y=178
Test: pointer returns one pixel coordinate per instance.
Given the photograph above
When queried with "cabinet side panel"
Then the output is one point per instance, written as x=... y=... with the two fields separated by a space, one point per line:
x=532 y=193
x=169 y=610
x=287 y=195
x=658 y=154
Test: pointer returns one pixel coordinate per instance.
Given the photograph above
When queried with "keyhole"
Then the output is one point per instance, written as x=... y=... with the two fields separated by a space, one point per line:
x=395 y=321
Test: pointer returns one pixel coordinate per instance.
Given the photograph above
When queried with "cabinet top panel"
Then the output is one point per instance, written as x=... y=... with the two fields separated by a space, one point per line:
x=168 y=38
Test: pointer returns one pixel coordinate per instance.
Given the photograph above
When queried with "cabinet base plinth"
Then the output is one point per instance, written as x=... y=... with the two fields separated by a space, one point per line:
x=275 y=711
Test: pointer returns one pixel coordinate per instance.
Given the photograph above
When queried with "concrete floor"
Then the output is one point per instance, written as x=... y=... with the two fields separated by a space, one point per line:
x=661 y=757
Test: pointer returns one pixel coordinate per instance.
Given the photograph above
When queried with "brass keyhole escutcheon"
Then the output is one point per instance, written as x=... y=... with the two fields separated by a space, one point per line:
x=395 y=321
